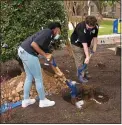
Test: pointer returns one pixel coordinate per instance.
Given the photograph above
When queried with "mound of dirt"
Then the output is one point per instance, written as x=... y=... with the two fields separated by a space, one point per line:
x=12 y=90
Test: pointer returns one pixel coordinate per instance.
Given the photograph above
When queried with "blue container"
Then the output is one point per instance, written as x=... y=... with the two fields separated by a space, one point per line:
x=115 y=26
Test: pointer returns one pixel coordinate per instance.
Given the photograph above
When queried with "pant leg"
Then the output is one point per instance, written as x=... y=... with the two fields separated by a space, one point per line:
x=37 y=74
x=78 y=55
x=83 y=56
x=33 y=64
x=28 y=81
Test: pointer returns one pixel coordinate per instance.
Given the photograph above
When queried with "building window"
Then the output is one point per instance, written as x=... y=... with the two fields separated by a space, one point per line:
x=92 y=8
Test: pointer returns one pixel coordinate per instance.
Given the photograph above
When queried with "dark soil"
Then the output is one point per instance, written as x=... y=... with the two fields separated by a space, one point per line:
x=104 y=68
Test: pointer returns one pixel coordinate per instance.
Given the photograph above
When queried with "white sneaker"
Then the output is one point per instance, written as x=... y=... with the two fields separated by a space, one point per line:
x=27 y=102
x=46 y=103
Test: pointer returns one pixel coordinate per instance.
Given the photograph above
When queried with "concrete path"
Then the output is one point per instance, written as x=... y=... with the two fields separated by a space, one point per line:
x=109 y=39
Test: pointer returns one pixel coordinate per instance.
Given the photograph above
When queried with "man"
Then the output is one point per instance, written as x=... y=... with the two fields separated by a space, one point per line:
x=83 y=36
x=28 y=52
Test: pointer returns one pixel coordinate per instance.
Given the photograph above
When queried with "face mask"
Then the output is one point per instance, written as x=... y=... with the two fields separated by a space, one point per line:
x=57 y=37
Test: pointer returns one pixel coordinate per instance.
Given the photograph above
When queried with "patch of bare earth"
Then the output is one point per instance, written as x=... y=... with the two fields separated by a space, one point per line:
x=104 y=68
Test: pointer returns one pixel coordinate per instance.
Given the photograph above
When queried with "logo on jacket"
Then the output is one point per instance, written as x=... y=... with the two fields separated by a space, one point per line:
x=84 y=30
x=93 y=31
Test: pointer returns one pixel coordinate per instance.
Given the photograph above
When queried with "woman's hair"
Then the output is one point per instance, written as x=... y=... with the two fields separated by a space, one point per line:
x=54 y=25
x=91 y=20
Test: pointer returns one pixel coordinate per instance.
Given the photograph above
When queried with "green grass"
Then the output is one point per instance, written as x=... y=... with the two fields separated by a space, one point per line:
x=107 y=28
x=70 y=32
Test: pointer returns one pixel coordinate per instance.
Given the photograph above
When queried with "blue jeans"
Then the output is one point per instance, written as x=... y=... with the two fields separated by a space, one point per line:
x=32 y=69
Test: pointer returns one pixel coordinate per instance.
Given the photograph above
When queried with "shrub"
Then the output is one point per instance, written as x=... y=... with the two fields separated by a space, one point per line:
x=22 y=18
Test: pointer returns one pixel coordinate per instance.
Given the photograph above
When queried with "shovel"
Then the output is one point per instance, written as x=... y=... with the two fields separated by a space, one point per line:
x=84 y=66
x=55 y=67
x=71 y=84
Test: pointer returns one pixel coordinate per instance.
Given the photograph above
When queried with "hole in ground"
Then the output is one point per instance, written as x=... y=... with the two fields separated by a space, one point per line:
x=85 y=93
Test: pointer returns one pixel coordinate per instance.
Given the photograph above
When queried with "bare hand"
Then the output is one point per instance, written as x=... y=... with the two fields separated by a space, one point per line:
x=87 y=60
x=48 y=56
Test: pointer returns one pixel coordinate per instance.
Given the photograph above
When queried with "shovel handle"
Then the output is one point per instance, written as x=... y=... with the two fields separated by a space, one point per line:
x=84 y=66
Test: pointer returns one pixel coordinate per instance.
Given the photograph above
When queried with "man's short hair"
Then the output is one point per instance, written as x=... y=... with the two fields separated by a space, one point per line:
x=54 y=25
x=91 y=20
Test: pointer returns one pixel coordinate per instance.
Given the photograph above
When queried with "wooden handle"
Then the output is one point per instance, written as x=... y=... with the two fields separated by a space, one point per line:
x=57 y=71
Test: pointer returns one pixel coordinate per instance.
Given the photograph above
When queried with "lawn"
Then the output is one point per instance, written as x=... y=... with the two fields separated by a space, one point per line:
x=106 y=27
